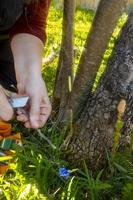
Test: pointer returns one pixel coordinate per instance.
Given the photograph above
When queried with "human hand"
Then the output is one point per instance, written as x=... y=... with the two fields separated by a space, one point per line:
x=6 y=111
x=38 y=109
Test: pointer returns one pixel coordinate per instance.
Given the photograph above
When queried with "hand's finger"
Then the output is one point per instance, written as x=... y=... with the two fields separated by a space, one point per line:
x=45 y=112
x=22 y=118
x=45 y=101
x=27 y=124
x=22 y=114
x=43 y=120
x=21 y=111
x=35 y=111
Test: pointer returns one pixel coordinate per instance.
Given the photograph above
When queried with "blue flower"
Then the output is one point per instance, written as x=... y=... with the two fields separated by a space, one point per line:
x=64 y=173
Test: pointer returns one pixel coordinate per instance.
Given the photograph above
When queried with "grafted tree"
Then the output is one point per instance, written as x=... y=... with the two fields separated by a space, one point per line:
x=91 y=57
x=93 y=130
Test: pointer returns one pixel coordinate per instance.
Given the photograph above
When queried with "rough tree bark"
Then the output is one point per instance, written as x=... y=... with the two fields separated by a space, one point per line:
x=64 y=70
x=103 y=25
x=93 y=132
x=126 y=131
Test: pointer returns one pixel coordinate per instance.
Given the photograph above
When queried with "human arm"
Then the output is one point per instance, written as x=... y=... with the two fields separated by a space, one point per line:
x=27 y=38
x=27 y=52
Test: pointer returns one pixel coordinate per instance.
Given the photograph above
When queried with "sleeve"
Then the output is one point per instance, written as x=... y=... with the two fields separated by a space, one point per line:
x=33 y=21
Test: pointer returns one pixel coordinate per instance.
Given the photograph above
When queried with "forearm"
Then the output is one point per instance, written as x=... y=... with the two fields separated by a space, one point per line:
x=27 y=51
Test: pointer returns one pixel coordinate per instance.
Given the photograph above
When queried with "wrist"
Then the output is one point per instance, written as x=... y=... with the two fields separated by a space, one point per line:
x=32 y=81
x=34 y=70
x=28 y=73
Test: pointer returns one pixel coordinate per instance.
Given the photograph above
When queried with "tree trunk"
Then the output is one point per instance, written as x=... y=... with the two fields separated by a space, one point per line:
x=94 y=131
x=105 y=20
x=64 y=74
x=126 y=131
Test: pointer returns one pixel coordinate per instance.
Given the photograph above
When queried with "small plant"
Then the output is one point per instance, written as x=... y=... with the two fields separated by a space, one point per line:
x=128 y=191
x=93 y=185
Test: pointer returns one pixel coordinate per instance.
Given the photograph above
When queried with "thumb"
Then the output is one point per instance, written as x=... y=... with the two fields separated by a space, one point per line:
x=35 y=103
x=6 y=111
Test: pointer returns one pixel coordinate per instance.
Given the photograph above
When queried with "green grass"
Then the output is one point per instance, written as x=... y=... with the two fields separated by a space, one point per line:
x=34 y=173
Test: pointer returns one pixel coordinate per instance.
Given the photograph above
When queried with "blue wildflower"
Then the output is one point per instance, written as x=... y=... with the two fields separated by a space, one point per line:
x=64 y=173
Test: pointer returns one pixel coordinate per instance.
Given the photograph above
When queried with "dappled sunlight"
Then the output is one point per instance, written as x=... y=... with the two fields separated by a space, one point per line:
x=39 y=170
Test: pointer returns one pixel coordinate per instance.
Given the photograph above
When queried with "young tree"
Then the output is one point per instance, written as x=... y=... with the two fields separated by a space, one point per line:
x=65 y=65
x=104 y=23
x=92 y=132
